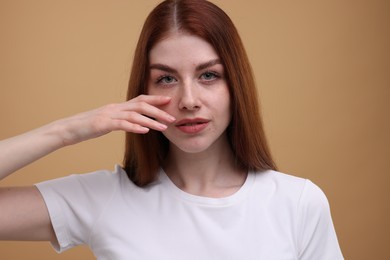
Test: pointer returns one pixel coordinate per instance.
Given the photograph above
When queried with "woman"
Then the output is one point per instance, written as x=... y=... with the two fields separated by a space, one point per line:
x=198 y=181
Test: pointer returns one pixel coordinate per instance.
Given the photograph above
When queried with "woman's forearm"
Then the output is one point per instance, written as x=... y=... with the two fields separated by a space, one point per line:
x=21 y=150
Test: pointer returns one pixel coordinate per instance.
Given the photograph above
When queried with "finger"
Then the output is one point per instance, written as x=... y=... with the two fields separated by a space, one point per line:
x=152 y=99
x=150 y=111
x=142 y=120
x=130 y=127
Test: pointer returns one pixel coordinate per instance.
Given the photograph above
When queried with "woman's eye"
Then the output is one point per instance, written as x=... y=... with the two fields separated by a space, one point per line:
x=209 y=76
x=166 y=80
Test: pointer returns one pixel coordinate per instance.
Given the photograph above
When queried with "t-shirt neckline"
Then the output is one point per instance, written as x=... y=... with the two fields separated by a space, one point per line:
x=207 y=201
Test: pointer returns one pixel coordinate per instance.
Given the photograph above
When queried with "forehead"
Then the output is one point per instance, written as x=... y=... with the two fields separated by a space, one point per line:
x=180 y=48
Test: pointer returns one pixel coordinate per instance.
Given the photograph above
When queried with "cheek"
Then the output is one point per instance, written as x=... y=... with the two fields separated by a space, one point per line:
x=172 y=107
x=149 y=89
x=169 y=108
x=152 y=89
x=224 y=101
x=167 y=93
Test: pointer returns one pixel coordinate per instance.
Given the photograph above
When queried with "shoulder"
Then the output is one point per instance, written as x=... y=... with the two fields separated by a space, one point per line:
x=75 y=202
x=279 y=183
x=291 y=189
x=100 y=183
x=101 y=178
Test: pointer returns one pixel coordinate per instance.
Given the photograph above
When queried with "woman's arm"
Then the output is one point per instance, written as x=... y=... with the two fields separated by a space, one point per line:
x=132 y=116
x=23 y=214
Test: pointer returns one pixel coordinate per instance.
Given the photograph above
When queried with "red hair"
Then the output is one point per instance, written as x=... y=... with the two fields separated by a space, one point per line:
x=144 y=153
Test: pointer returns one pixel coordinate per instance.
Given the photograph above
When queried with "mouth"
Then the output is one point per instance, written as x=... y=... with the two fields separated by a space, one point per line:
x=192 y=126
x=192 y=122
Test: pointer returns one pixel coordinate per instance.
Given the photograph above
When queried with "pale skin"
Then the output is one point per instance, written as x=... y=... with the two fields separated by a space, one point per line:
x=186 y=81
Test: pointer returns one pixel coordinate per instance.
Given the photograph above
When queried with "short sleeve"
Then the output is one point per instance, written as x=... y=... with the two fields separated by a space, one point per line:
x=316 y=234
x=74 y=204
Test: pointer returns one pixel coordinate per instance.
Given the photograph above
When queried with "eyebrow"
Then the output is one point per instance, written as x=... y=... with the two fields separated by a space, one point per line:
x=201 y=66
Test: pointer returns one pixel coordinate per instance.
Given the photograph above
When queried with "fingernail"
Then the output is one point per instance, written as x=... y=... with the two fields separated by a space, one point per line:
x=162 y=127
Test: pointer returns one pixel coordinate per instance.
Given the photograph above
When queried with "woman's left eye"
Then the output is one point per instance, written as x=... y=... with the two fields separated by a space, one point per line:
x=209 y=76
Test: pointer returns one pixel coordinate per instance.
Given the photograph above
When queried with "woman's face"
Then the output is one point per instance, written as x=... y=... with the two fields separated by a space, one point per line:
x=187 y=68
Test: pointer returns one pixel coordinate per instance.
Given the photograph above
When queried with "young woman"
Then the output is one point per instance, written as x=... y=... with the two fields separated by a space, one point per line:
x=198 y=181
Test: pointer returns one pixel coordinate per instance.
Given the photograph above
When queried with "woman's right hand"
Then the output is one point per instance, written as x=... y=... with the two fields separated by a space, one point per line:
x=137 y=115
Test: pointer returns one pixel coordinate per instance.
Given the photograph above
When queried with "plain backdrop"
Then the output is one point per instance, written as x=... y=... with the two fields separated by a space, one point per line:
x=323 y=74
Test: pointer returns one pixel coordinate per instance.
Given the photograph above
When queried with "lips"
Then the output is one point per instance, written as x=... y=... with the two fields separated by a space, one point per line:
x=193 y=125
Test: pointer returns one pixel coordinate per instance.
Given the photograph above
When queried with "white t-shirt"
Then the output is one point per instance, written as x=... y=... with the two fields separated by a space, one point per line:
x=272 y=216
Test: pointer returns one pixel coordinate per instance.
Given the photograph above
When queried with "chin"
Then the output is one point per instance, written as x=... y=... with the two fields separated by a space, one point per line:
x=192 y=148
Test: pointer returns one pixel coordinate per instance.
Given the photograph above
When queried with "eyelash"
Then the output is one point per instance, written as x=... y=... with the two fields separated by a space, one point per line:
x=161 y=78
x=214 y=74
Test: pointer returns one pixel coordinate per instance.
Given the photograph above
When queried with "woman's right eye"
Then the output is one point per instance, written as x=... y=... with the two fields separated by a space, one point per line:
x=166 y=80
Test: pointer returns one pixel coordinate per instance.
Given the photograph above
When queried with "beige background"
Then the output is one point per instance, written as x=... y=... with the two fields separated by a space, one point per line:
x=323 y=72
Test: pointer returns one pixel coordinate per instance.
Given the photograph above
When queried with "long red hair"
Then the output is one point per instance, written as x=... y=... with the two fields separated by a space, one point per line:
x=144 y=154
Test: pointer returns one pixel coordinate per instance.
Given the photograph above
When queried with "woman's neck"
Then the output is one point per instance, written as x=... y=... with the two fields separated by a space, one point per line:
x=211 y=173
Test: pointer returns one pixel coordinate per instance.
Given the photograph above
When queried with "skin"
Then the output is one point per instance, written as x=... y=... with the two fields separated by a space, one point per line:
x=200 y=163
x=187 y=69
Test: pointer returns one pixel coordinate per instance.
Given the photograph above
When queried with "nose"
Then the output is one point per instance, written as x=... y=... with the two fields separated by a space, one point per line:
x=189 y=97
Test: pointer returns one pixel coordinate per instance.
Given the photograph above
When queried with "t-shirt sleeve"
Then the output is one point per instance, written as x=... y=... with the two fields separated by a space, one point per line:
x=316 y=234
x=74 y=204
